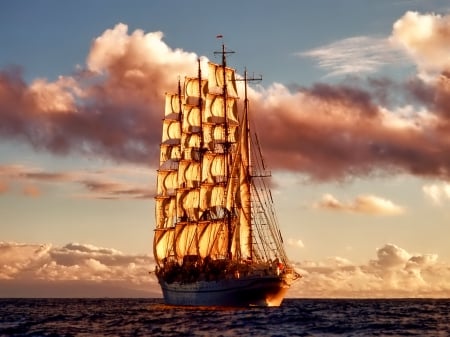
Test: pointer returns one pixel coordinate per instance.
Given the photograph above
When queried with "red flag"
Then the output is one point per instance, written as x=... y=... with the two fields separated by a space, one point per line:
x=219 y=36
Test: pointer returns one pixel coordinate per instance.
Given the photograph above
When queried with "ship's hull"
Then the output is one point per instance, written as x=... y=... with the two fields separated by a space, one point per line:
x=237 y=292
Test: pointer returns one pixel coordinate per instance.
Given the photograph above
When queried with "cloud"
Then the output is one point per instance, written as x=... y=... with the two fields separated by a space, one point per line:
x=104 y=189
x=426 y=38
x=393 y=273
x=113 y=108
x=438 y=193
x=109 y=109
x=31 y=191
x=296 y=243
x=423 y=39
x=121 y=183
x=84 y=270
x=367 y=204
x=355 y=55
x=81 y=265
x=331 y=132
x=4 y=188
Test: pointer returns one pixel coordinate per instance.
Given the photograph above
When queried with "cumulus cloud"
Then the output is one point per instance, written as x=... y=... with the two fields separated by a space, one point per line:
x=393 y=273
x=367 y=204
x=108 y=109
x=113 y=108
x=339 y=131
x=426 y=38
x=80 y=270
x=82 y=265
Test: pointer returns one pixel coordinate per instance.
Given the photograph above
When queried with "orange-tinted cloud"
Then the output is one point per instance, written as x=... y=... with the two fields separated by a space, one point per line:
x=439 y=194
x=112 y=183
x=113 y=109
x=426 y=37
x=339 y=131
x=3 y=187
x=36 y=269
x=366 y=204
x=31 y=191
x=79 y=265
x=393 y=273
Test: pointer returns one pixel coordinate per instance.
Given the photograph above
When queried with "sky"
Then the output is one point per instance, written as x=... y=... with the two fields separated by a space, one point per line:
x=353 y=116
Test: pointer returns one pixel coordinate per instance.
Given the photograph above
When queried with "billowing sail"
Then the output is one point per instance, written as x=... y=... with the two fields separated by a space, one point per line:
x=217 y=240
x=216 y=81
x=204 y=187
x=163 y=243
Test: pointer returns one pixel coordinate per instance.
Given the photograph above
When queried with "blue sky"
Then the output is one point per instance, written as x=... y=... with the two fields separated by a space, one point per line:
x=352 y=115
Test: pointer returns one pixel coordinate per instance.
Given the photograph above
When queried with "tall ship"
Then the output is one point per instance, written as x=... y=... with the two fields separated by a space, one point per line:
x=217 y=240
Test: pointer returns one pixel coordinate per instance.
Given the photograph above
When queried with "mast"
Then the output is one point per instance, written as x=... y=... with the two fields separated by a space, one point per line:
x=245 y=173
x=200 y=107
x=226 y=145
x=246 y=200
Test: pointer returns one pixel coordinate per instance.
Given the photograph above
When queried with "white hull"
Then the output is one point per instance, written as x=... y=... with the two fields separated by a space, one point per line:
x=249 y=291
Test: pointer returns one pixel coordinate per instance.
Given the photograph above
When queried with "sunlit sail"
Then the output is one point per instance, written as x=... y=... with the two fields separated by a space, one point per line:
x=217 y=240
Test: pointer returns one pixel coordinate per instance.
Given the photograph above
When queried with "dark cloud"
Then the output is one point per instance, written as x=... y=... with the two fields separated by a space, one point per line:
x=113 y=110
x=336 y=132
x=99 y=184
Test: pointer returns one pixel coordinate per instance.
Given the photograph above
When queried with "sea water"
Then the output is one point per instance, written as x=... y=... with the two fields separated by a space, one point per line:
x=296 y=317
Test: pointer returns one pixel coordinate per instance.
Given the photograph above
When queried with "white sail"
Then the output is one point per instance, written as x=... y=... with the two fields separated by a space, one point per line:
x=215 y=109
x=188 y=204
x=191 y=119
x=165 y=212
x=171 y=132
x=163 y=243
x=216 y=79
x=186 y=242
x=211 y=197
x=194 y=90
x=213 y=239
x=172 y=106
x=167 y=182
x=169 y=152
x=189 y=174
x=205 y=192
x=213 y=168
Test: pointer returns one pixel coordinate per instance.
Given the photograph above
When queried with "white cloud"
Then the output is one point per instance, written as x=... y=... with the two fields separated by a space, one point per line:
x=438 y=193
x=20 y=262
x=367 y=204
x=394 y=273
x=296 y=243
x=86 y=270
x=355 y=55
x=426 y=38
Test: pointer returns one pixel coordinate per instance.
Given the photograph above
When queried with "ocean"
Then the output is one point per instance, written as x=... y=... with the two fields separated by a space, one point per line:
x=296 y=317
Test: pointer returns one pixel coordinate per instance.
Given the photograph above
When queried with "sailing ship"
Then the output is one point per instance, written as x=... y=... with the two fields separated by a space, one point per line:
x=217 y=240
